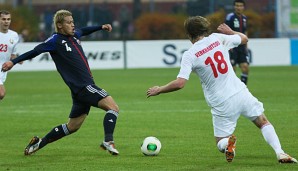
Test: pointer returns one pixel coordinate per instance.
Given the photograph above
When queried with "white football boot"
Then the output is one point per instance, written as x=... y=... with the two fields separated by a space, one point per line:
x=285 y=158
x=33 y=146
x=110 y=146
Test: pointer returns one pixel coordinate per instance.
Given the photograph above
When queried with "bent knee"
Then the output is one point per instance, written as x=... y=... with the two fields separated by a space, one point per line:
x=261 y=120
x=115 y=108
x=245 y=69
x=108 y=103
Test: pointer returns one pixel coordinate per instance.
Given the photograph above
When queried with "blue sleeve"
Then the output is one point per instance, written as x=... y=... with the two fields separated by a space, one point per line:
x=46 y=46
x=28 y=55
x=87 y=30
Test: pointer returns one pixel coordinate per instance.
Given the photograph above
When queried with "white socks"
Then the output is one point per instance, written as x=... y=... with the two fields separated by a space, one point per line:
x=269 y=135
x=271 y=138
x=222 y=144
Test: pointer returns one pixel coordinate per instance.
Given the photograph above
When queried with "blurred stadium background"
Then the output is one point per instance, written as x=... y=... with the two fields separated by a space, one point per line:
x=272 y=29
x=33 y=18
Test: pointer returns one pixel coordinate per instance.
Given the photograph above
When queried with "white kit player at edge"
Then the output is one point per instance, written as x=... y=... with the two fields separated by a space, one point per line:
x=8 y=43
x=224 y=92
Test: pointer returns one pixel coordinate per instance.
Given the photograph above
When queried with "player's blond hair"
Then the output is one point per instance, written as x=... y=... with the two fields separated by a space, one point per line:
x=59 y=17
x=196 y=26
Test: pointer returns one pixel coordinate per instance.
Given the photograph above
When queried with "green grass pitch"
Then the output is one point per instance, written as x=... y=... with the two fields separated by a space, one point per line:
x=38 y=101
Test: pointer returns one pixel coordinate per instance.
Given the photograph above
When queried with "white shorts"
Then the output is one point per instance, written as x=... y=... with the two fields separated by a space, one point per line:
x=2 y=77
x=226 y=114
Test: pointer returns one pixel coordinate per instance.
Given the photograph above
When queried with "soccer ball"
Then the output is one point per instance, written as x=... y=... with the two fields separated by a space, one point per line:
x=150 y=146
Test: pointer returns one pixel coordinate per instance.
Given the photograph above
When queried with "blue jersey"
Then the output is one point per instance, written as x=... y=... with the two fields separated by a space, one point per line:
x=68 y=56
x=237 y=23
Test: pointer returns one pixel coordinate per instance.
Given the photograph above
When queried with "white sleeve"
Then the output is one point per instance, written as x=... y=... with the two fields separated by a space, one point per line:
x=16 y=39
x=186 y=66
x=229 y=41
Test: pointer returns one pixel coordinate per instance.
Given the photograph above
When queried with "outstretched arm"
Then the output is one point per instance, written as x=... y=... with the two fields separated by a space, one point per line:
x=88 y=30
x=14 y=56
x=47 y=46
x=28 y=55
x=174 y=85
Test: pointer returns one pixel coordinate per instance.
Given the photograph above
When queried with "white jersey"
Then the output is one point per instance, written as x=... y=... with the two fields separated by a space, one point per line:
x=209 y=59
x=8 y=42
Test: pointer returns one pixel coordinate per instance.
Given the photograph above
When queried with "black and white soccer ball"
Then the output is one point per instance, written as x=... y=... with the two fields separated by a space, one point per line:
x=151 y=146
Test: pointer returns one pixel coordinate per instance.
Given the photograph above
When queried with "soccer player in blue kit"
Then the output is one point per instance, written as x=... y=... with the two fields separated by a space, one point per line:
x=237 y=21
x=71 y=62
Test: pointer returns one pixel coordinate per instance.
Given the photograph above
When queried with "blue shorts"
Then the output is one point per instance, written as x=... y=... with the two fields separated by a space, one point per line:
x=238 y=55
x=83 y=100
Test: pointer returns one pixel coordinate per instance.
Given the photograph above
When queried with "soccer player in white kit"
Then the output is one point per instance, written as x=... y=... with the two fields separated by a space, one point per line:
x=8 y=42
x=227 y=96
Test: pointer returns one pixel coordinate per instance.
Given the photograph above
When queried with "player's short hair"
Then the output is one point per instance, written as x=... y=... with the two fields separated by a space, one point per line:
x=196 y=26
x=59 y=17
x=4 y=12
x=239 y=1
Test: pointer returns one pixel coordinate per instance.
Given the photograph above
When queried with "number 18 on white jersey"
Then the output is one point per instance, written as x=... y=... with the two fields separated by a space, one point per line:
x=209 y=59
